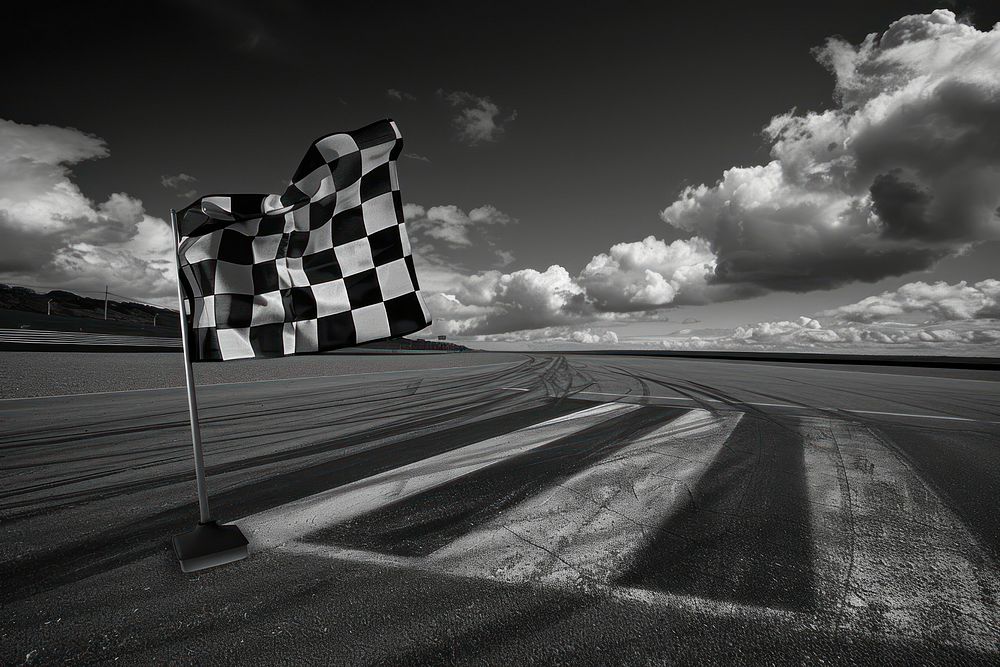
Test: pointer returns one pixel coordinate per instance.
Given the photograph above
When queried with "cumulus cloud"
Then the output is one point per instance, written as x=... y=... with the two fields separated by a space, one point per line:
x=647 y=274
x=903 y=171
x=630 y=282
x=479 y=119
x=939 y=301
x=523 y=299
x=55 y=235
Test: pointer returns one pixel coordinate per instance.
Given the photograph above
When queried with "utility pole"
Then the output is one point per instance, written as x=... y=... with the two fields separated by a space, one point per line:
x=105 y=302
x=48 y=307
x=155 y=315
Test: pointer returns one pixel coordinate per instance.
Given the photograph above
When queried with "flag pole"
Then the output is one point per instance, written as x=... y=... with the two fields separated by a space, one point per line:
x=209 y=544
x=199 y=457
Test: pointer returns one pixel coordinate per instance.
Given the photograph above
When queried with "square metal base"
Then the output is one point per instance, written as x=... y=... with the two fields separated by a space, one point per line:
x=209 y=545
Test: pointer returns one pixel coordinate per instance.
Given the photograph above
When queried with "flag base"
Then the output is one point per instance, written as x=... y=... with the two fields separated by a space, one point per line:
x=209 y=545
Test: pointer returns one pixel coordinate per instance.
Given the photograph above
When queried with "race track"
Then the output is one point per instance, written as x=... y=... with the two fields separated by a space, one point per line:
x=501 y=508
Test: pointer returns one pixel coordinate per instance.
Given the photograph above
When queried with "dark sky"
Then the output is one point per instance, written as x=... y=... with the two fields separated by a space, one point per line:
x=618 y=105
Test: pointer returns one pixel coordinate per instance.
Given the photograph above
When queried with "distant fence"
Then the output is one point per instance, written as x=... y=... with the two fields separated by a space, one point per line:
x=29 y=339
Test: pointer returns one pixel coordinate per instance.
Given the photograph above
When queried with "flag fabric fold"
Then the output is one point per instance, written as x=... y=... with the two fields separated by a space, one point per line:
x=324 y=265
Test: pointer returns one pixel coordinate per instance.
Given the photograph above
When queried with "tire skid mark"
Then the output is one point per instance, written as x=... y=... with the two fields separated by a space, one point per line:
x=402 y=415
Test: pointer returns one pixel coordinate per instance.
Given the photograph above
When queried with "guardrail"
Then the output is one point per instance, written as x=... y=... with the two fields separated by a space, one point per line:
x=15 y=339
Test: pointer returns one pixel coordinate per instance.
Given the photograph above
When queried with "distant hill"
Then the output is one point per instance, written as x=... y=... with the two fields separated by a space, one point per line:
x=24 y=308
x=414 y=344
x=21 y=307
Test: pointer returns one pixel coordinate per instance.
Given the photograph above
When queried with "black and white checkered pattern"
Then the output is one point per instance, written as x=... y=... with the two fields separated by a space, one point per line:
x=325 y=265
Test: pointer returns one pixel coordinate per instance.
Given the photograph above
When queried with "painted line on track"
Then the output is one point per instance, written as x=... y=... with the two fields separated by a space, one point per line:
x=596 y=523
x=692 y=603
x=231 y=384
x=296 y=519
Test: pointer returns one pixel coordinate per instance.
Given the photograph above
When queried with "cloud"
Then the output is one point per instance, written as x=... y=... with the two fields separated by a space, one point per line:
x=808 y=335
x=495 y=302
x=55 y=235
x=630 y=282
x=647 y=274
x=176 y=181
x=584 y=336
x=543 y=308
x=414 y=156
x=962 y=319
x=445 y=240
x=903 y=171
x=765 y=331
x=479 y=119
x=400 y=95
x=450 y=224
x=938 y=301
x=504 y=257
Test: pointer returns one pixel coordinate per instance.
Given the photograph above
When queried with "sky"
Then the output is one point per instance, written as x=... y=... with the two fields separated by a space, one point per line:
x=820 y=176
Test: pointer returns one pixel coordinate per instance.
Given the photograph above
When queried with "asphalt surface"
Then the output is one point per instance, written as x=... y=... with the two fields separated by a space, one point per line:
x=502 y=509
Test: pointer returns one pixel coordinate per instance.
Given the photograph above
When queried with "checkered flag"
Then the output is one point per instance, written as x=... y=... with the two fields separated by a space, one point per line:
x=325 y=265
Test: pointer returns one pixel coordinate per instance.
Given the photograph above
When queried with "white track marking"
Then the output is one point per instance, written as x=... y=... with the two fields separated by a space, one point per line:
x=889 y=554
x=691 y=603
x=588 y=529
x=207 y=385
x=918 y=416
x=515 y=389
x=299 y=518
x=737 y=403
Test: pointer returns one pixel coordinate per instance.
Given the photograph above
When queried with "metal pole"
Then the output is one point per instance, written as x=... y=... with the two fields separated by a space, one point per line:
x=48 y=307
x=199 y=459
x=155 y=315
x=105 y=302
